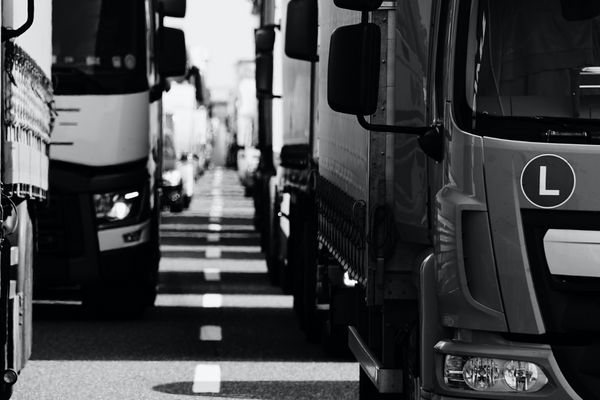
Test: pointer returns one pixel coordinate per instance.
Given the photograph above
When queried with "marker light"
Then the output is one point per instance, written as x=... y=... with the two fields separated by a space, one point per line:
x=10 y=377
x=131 y=195
x=492 y=374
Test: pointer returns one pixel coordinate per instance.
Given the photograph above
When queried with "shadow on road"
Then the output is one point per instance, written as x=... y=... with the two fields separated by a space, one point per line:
x=282 y=390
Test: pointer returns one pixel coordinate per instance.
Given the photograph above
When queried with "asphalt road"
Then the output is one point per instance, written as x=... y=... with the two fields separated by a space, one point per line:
x=218 y=330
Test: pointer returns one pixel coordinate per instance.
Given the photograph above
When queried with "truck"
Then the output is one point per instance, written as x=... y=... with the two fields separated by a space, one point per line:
x=27 y=122
x=454 y=194
x=110 y=66
x=245 y=126
x=186 y=112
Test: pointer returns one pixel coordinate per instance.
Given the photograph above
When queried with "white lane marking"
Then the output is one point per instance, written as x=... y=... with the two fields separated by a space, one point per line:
x=212 y=300
x=214 y=220
x=215 y=227
x=213 y=237
x=207 y=379
x=211 y=333
x=216 y=192
x=212 y=252
x=216 y=212
x=212 y=274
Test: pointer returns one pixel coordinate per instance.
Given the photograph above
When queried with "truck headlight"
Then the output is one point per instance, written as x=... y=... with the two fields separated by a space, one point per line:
x=171 y=178
x=493 y=375
x=117 y=206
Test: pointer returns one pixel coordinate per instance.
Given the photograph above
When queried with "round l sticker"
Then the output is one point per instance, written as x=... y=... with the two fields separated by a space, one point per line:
x=548 y=181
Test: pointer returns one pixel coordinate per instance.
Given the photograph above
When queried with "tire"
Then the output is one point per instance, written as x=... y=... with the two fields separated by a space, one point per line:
x=176 y=207
x=127 y=299
x=312 y=322
x=187 y=200
x=6 y=391
x=411 y=366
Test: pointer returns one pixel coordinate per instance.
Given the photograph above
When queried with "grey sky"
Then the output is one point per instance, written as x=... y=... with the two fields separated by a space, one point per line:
x=219 y=32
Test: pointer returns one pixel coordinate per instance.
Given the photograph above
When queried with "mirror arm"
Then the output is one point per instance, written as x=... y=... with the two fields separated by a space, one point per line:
x=272 y=26
x=408 y=130
x=8 y=34
x=431 y=139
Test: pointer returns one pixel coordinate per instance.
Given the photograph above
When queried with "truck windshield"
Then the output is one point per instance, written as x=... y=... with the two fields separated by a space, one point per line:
x=98 y=46
x=526 y=59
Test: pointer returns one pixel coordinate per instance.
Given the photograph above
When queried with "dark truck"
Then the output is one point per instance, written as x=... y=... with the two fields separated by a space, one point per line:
x=454 y=224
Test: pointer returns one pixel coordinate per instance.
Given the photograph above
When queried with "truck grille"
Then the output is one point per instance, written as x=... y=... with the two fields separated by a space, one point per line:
x=570 y=306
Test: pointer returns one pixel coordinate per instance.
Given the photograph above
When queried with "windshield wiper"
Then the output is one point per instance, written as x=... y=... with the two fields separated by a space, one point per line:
x=572 y=136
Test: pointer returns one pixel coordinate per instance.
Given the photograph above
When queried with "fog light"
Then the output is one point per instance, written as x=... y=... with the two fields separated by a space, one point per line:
x=134 y=236
x=492 y=375
x=523 y=376
x=10 y=376
x=481 y=373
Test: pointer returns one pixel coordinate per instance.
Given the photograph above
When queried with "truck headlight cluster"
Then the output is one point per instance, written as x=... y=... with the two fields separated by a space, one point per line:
x=116 y=206
x=493 y=375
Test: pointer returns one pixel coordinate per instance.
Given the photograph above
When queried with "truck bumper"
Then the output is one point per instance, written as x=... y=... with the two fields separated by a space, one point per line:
x=72 y=250
x=108 y=255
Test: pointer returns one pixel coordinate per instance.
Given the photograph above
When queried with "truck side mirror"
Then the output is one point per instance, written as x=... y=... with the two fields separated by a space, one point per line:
x=301 y=30
x=353 y=74
x=264 y=39
x=264 y=75
x=172 y=55
x=359 y=5
x=172 y=8
x=580 y=10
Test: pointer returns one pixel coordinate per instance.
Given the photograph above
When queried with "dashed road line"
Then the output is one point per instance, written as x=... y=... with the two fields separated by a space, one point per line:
x=213 y=252
x=215 y=227
x=213 y=237
x=211 y=333
x=207 y=379
x=212 y=300
x=212 y=274
x=215 y=212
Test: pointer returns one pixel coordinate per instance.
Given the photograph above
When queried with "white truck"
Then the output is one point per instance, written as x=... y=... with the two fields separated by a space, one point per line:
x=101 y=231
x=27 y=122
x=190 y=134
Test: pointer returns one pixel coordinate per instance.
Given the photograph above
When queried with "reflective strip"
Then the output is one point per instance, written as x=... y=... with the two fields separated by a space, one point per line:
x=14 y=255
x=573 y=252
x=111 y=239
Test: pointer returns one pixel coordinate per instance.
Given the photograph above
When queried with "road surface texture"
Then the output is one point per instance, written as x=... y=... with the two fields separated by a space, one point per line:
x=218 y=330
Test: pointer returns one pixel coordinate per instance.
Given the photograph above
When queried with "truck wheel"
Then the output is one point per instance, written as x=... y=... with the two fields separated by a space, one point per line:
x=411 y=365
x=6 y=391
x=312 y=323
x=176 y=207
x=114 y=301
